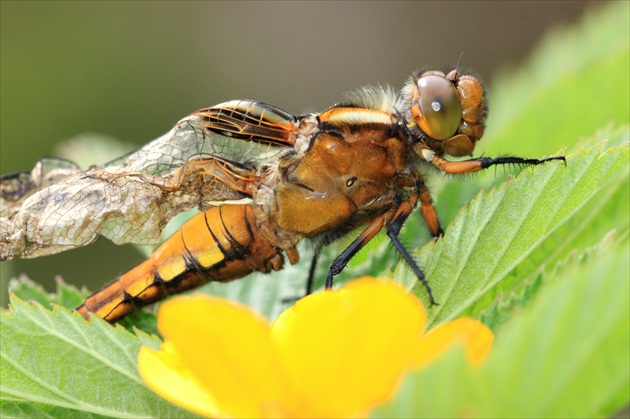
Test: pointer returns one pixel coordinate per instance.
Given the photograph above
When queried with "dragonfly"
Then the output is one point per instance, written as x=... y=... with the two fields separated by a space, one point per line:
x=262 y=179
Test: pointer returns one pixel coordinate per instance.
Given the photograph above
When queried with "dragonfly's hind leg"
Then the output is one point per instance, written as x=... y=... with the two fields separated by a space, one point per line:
x=310 y=281
x=393 y=220
x=368 y=234
x=311 y=272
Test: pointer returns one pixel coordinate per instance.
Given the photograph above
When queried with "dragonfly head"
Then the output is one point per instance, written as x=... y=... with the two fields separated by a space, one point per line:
x=448 y=109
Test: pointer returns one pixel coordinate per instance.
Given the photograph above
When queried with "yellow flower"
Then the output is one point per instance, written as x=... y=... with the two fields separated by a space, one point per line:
x=334 y=354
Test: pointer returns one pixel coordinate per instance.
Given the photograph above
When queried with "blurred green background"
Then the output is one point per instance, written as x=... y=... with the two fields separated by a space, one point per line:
x=133 y=69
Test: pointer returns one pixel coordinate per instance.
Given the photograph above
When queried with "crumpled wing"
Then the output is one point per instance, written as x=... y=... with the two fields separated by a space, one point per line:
x=58 y=206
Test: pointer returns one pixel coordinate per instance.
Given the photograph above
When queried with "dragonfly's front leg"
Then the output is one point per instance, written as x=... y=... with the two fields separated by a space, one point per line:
x=475 y=165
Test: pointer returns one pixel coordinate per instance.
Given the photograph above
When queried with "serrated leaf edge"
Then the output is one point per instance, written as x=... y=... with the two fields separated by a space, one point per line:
x=465 y=212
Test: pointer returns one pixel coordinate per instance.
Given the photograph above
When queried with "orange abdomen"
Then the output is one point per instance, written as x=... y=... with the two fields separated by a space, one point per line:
x=220 y=244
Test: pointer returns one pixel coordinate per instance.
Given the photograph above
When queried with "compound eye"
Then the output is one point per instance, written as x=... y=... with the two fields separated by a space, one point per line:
x=439 y=105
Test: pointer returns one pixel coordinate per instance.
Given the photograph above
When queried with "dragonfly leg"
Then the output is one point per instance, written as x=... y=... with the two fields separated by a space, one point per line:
x=393 y=229
x=393 y=223
x=309 y=282
x=368 y=234
x=311 y=272
x=428 y=211
x=475 y=165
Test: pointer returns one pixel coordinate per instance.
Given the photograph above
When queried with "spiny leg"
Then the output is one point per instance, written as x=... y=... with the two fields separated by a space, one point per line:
x=412 y=263
x=475 y=165
x=394 y=224
x=368 y=234
x=311 y=272
x=393 y=229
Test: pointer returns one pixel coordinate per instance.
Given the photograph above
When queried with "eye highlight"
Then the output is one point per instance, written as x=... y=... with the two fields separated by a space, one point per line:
x=436 y=106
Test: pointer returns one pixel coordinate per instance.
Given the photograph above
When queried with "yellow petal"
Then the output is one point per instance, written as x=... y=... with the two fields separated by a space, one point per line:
x=228 y=348
x=166 y=375
x=346 y=350
x=475 y=336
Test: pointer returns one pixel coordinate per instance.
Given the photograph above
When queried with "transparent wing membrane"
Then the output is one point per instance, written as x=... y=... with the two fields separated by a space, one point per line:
x=199 y=163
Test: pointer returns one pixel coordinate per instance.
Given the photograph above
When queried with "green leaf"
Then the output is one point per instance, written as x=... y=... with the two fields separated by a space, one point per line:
x=572 y=346
x=542 y=105
x=561 y=313
x=495 y=233
x=566 y=355
x=603 y=214
x=28 y=290
x=574 y=83
x=55 y=363
x=66 y=295
x=13 y=409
